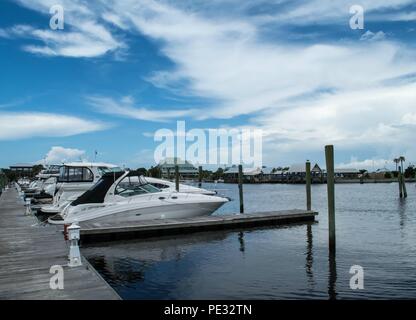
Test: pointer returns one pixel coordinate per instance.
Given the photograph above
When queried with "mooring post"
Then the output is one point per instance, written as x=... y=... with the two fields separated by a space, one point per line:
x=308 y=186
x=329 y=155
x=177 y=177
x=240 y=187
x=74 y=254
x=400 y=182
x=404 y=186
x=200 y=176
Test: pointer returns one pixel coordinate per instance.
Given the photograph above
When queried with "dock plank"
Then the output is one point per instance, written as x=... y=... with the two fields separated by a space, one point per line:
x=27 y=251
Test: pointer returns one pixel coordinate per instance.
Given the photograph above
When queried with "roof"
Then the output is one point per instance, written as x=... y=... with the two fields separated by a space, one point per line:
x=246 y=171
x=267 y=170
x=346 y=170
x=301 y=168
x=252 y=172
x=90 y=164
x=173 y=161
x=296 y=168
x=22 y=165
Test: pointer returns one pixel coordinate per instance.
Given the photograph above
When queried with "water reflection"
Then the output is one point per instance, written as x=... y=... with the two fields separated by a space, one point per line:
x=402 y=207
x=309 y=255
x=241 y=241
x=332 y=275
x=126 y=262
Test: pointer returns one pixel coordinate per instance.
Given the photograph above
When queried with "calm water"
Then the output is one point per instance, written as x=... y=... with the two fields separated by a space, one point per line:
x=375 y=229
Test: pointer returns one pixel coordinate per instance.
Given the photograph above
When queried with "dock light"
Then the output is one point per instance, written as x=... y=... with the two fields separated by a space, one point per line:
x=74 y=254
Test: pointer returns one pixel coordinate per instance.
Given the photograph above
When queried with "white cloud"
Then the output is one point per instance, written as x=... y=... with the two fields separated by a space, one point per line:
x=83 y=36
x=326 y=12
x=125 y=107
x=225 y=60
x=90 y=40
x=371 y=36
x=367 y=164
x=60 y=154
x=15 y=126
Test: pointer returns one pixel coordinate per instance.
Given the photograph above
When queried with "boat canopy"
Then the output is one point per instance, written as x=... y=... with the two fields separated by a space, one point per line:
x=96 y=193
x=133 y=183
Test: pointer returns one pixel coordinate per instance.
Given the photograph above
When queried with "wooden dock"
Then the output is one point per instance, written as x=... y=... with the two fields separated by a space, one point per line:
x=92 y=232
x=28 y=251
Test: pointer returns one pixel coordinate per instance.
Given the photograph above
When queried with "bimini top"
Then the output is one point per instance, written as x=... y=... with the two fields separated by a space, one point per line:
x=97 y=193
x=89 y=164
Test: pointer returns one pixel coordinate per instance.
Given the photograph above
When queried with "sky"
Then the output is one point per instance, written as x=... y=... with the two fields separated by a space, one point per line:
x=121 y=70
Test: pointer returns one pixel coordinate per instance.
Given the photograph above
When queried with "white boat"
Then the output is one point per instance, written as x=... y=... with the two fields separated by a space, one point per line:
x=164 y=184
x=129 y=197
x=36 y=188
x=74 y=179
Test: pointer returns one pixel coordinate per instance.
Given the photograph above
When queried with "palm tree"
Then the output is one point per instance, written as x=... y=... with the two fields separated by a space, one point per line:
x=396 y=161
x=402 y=159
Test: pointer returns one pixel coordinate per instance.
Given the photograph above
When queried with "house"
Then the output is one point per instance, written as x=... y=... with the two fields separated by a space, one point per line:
x=297 y=173
x=253 y=175
x=22 y=169
x=272 y=175
x=186 y=169
x=381 y=173
x=347 y=173
x=249 y=174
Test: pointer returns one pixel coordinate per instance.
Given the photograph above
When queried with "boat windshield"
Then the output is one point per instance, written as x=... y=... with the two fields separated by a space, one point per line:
x=104 y=170
x=133 y=186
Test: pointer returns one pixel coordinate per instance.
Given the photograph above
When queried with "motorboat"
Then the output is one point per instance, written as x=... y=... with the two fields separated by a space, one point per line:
x=128 y=197
x=45 y=195
x=164 y=184
x=42 y=189
x=74 y=179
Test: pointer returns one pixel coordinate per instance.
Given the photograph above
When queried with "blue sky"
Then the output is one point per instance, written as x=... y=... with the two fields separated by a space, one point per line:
x=120 y=70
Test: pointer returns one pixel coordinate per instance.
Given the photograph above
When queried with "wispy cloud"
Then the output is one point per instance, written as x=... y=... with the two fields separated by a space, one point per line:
x=83 y=36
x=15 y=126
x=126 y=107
x=371 y=36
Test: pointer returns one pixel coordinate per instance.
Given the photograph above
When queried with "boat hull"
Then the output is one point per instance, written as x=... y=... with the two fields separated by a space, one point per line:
x=118 y=214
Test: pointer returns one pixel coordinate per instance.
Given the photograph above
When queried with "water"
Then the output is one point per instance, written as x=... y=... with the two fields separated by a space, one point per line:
x=375 y=229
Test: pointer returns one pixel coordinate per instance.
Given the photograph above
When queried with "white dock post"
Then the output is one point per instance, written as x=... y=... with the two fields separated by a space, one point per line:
x=27 y=205
x=74 y=254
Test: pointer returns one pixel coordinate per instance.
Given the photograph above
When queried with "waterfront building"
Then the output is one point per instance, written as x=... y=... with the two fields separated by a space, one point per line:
x=186 y=169
x=346 y=173
x=22 y=169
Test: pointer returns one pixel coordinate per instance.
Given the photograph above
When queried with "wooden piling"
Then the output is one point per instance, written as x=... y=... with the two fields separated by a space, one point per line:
x=329 y=155
x=240 y=187
x=308 y=186
x=177 y=177
x=399 y=176
x=200 y=176
x=404 y=186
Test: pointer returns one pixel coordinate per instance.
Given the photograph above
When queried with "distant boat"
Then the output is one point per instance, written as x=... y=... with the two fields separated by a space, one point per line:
x=74 y=179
